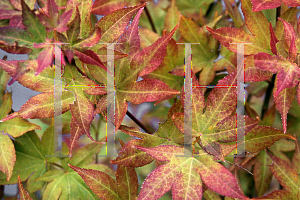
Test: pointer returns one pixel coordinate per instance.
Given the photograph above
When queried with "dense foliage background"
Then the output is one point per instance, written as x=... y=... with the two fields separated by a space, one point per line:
x=151 y=160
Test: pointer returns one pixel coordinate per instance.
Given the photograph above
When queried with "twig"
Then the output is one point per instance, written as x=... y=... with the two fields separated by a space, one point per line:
x=249 y=98
x=267 y=97
x=150 y=19
x=278 y=12
x=1 y=191
x=138 y=122
x=97 y=138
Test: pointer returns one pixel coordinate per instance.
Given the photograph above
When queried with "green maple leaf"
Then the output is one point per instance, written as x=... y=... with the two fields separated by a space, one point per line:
x=68 y=184
x=286 y=174
x=287 y=177
x=261 y=171
x=29 y=160
x=206 y=51
x=33 y=24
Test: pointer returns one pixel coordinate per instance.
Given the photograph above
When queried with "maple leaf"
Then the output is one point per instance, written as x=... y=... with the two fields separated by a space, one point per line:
x=167 y=134
x=259 y=5
x=261 y=166
x=106 y=187
x=193 y=9
x=8 y=155
x=287 y=71
x=82 y=109
x=138 y=63
x=10 y=130
x=68 y=184
x=257 y=24
x=105 y=7
x=22 y=192
x=172 y=18
x=24 y=159
x=50 y=17
x=205 y=52
x=32 y=23
x=41 y=106
x=257 y=139
x=108 y=29
x=12 y=10
x=46 y=57
x=84 y=8
x=13 y=39
x=186 y=175
x=287 y=177
x=216 y=124
x=282 y=146
x=101 y=183
x=14 y=69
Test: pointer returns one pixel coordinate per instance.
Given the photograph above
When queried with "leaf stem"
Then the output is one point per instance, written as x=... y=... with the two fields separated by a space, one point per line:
x=80 y=71
x=55 y=36
x=57 y=165
x=267 y=97
x=97 y=138
x=138 y=122
x=150 y=19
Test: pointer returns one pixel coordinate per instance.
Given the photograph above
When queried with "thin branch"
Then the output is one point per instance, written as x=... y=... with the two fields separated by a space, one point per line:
x=138 y=122
x=267 y=97
x=249 y=98
x=150 y=19
x=1 y=191
x=278 y=12
x=97 y=138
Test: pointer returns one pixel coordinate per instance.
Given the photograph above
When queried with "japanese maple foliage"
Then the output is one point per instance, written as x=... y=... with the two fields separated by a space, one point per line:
x=149 y=67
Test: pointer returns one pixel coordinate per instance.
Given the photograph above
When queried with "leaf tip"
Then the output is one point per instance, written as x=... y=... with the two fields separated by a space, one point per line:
x=144 y=4
x=291 y=137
